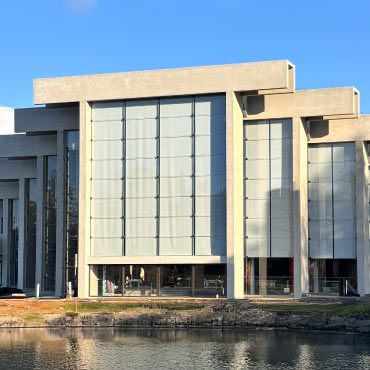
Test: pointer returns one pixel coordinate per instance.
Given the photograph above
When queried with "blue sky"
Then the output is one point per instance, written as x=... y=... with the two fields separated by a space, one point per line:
x=327 y=40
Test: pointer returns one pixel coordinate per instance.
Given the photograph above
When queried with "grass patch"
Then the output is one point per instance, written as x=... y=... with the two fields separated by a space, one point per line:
x=34 y=319
x=344 y=309
x=100 y=307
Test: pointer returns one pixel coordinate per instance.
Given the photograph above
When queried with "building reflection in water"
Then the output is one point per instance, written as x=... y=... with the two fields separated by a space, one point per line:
x=113 y=348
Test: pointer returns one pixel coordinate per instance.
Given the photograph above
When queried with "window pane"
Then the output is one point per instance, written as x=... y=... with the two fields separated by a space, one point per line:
x=141 y=148
x=176 y=206
x=106 y=189
x=176 y=107
x=141 y=247
x=141 y=227
x=210 y=206
x=178 y=167
x=112 y=149
x=176 y=246
x=210 y=165
x=136 y=188
x=175 y=127
x=107 y=169
x=176 y=147
x=106 y=247
x=141 y=207
x=106 y=208
x=107 y=111
x=175 y=226
x=145 y=128
x=141 y=168
x=210 y=185
x=208 y=226
x=176 y=186
x=210 y=145
x=210 y=246
x=106 y=228
x=106 y=130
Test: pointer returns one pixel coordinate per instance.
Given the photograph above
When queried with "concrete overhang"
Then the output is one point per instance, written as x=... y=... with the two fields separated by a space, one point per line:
x=8 y=189
x=344 y=130
x=330 y=103
x=42 y=120
x=14 y=170
x=13 y=146
x=274 y=76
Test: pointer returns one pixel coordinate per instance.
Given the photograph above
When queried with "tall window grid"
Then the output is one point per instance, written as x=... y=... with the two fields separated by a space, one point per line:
x=159 y=177
x=332 y=200
x=268 y=188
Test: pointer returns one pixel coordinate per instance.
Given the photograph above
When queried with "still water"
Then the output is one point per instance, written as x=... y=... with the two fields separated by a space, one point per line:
x=107 y=348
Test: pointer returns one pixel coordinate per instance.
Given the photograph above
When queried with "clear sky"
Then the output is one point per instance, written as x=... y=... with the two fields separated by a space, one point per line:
x=327 y=40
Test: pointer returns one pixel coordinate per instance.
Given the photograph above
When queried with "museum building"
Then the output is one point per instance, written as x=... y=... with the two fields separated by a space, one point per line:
x=208 y=181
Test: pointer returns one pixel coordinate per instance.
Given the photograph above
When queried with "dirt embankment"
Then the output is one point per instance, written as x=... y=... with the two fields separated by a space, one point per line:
x=185 y=313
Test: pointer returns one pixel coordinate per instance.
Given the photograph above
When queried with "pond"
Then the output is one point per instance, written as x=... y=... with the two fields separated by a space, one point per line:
x=112 y=348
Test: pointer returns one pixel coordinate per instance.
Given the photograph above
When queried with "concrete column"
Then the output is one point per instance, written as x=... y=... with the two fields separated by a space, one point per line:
x=40 y=222
x=362 y=221
x=300 y=209
x=60 y=268
x=21 y=231
x=84 y=200
x=234 y=196
x=6 y=241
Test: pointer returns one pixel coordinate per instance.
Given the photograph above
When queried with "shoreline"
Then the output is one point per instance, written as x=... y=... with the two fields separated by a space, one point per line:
x=340 y=318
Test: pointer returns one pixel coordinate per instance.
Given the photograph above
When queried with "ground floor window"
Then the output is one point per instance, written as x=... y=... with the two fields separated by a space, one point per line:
x=269 y=276
x=158 y=280
x=332 y=276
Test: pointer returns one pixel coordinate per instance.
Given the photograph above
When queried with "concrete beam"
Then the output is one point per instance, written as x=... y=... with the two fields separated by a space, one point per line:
x=15 y=169
x=344 y=130
x=27 y=146
x=46 y=119
x=337 y=102
x=275 y=75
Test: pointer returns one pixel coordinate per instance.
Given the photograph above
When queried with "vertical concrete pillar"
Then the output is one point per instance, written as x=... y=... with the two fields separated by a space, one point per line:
x=21 y=231
x=234 y=196
x=300 y=208
x=6 y=241
x=84 y=200
x=362 y=221
x=60 y=285
x=40 y=221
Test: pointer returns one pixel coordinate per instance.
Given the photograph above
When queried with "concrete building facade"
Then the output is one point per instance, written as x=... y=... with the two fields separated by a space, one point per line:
x=220 y=180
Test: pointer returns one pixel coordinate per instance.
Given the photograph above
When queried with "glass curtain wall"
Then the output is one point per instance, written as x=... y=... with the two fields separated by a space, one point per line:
x=332 y=213
x=158 y=280
x=158 y=177
x=1 y=239
x=14 y=236
x=72 y=191
x=268 y=205
x=50 y=223
x=30 y=247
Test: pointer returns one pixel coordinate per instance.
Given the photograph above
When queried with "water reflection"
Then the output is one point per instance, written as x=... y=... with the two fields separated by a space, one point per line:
x=111 y=348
